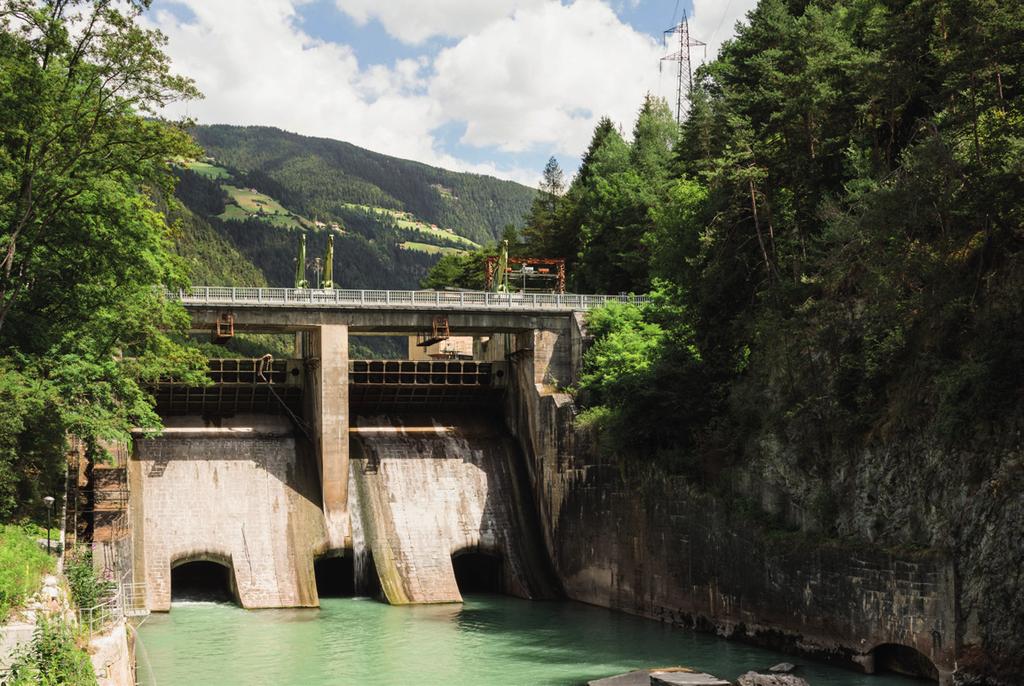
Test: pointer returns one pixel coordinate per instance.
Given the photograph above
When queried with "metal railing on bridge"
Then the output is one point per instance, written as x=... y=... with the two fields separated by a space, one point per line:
x=470 y=300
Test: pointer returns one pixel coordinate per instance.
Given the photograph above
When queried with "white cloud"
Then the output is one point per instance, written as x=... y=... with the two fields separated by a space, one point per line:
x=713 y=21
x=543 y=77
x=413 y=21
x=525 y=76
x=255 y=66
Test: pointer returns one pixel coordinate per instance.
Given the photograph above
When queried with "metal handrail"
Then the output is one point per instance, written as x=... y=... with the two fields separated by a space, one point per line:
x=98 y=618
x=126 y=600
x=452 y=300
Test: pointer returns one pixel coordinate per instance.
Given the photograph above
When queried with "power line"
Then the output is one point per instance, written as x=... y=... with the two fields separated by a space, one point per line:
x=721 y=21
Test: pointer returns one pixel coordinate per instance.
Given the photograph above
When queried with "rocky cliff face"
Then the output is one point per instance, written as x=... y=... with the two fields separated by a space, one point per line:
x=913 y=492
x=923 y=574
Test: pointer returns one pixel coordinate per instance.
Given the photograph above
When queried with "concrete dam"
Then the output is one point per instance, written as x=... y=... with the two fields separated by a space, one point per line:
x=416 y=481
x=396 y=479
x=430 y=496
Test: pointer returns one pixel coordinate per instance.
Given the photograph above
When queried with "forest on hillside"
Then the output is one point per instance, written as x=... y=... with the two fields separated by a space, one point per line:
x=392 y=219
x=255 y=252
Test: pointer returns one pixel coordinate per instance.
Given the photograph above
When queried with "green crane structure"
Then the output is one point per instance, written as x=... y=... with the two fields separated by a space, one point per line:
x=500 y=284
x=328 y=277
x=300 y=267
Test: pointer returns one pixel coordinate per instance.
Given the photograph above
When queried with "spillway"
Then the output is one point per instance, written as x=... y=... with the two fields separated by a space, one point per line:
x=241 y=493
x=427 y=487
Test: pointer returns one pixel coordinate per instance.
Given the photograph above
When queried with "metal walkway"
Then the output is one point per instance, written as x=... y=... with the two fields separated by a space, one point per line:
x=449 y=300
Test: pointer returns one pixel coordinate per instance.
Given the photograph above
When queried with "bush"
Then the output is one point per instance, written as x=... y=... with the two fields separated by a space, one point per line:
x=87 y=588
x=624 y=350
x=52 y=659
x=22 y=564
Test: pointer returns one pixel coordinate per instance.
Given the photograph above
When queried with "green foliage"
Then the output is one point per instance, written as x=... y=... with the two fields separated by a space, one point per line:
x=22 y=565
x=250 y=345
x=835 y=237
x=642 y=378
x=31 y=441
x=52 y=659
x=542 y=222
x=87 y=588
x=654 y=136
x=622 y=356
x=458 y=271
x=84 y=246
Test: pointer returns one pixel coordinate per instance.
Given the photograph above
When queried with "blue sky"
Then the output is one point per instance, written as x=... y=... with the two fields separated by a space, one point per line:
x=492 y=86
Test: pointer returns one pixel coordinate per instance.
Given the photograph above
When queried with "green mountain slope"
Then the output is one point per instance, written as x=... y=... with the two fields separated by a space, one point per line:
x=317 y=177
x=259 y=189
x=210 y=257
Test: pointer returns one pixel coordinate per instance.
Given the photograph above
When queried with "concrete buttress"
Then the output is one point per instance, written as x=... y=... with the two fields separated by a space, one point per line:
x=437 y=485
x=326 y=352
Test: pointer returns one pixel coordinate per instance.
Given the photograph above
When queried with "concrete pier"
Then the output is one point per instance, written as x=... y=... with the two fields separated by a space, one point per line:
x=325 y=350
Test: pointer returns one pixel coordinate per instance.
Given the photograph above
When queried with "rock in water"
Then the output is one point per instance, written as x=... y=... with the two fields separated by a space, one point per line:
x=755 y=679
x=686 y=678
x=782 y=667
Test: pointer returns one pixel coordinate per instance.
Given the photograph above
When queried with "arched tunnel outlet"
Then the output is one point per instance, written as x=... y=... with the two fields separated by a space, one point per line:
x=202 y=580
x=892 y=657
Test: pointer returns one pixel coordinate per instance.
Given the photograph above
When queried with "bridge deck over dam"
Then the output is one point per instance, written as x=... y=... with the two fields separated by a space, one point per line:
x=385 y=312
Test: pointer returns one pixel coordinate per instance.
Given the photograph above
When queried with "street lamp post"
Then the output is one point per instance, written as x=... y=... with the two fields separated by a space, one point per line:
x=49 y=507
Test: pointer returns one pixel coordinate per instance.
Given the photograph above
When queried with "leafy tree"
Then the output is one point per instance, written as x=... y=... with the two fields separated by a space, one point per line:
x=623 y=353
x=84 y=248
x=456 y=270
x=654 y=137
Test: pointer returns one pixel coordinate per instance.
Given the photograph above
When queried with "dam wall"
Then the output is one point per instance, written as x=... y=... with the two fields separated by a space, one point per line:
x=246 y=494
x=243 y=494
x=634 y=539
x=430 y=486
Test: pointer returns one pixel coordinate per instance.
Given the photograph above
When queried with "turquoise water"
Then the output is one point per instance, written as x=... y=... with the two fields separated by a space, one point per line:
x=489 y=640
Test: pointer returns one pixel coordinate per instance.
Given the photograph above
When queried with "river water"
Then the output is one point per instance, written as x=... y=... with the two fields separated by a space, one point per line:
x=487 y=641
